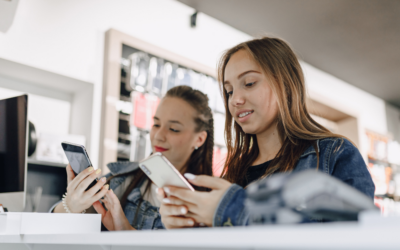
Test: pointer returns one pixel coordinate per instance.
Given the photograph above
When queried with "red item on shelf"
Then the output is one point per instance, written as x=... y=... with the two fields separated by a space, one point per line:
x=144 y=109
x=139 y=106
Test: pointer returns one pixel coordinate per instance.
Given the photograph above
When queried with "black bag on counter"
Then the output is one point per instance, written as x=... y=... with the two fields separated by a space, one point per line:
x=304 y=196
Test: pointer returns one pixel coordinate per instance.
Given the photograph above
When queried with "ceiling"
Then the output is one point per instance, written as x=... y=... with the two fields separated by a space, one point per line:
x=357 y=41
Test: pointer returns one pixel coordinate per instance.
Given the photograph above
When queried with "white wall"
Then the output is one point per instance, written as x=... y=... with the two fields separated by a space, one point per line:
x=40 y=107
x=368 y=109
x=67 y=38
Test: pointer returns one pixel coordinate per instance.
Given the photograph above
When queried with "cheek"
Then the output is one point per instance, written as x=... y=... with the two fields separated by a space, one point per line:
x=180 y=143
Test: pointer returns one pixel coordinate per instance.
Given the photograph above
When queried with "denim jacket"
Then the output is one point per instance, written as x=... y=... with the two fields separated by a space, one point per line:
x=148 y=216
x=337 y=157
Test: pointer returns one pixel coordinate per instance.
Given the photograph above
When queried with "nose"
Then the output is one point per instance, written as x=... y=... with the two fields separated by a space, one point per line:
x=237 y=98
x=160 y=134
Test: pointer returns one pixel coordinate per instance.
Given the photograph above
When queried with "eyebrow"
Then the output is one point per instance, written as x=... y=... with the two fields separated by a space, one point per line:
x=244 y=73
x=171 y=121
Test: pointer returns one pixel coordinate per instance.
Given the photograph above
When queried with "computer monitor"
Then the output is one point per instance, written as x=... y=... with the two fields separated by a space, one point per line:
x=13 y=152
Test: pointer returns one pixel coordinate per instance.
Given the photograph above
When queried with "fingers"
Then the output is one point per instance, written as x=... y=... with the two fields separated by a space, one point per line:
x=77 y=180
x=88 y=180
x=177 y=222
x=173 y=210
x=160 y=194
x=114 y=199
x=183 y=194
x=93 y=190
x=100 y=194
x=171 y=200
x=70 y=173
x=99 y=208
x=207 y=181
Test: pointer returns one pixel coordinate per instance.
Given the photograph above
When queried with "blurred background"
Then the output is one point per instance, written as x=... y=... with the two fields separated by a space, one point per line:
x=95 y=71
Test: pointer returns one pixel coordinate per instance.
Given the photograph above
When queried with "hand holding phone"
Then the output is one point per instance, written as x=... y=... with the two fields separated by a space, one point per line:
x=83 y=188
x=162 y=173
x=78 y=159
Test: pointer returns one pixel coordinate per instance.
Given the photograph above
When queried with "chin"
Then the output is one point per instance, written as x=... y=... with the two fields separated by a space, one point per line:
x=249 y=129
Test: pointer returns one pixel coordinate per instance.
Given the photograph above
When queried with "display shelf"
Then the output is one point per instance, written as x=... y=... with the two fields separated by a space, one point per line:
x=47 y=163
x=118 y=47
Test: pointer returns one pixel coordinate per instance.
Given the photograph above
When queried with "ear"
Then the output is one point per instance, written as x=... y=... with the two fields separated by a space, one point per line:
x=201 y=138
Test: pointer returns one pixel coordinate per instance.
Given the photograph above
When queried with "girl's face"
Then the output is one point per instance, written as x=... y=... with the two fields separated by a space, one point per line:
x=173 y=133
x=251 y=101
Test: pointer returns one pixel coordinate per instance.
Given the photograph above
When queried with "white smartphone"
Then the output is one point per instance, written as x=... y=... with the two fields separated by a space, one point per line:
x=162 y=172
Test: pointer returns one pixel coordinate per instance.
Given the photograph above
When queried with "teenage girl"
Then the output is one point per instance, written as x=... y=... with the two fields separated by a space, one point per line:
x=268 y=130
x=182 y=131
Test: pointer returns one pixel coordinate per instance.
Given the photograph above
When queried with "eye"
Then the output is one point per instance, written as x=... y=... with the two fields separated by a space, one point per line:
x=174 y=130
x=250 y=84
x=156 y=125
x=229 y=93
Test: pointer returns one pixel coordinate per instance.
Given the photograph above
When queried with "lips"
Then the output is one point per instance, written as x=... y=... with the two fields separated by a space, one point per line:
x=160 y=149
x=244 y=114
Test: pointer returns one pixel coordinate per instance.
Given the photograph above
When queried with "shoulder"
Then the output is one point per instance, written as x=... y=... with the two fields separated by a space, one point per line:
x=336 y=145
x=122 y=167
x=328 y=145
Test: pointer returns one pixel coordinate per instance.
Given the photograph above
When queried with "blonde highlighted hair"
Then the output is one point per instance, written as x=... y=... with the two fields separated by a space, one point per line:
x=297 y=129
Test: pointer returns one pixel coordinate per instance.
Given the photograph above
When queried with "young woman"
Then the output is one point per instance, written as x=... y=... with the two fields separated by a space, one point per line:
x=182 y=131
x=268 y=130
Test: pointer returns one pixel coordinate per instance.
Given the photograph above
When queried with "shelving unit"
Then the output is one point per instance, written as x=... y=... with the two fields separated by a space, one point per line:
x=116 y=130
x=118 y=48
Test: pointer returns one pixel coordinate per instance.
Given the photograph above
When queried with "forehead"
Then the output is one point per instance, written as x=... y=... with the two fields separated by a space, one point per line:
x=240 y=62
x=172 y=108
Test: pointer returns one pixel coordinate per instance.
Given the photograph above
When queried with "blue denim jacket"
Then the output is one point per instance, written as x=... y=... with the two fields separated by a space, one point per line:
x=337 y=157
x=148 y=215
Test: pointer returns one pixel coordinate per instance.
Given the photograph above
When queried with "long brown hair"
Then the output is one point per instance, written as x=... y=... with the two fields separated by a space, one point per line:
x=297 y=130
x=200 y=161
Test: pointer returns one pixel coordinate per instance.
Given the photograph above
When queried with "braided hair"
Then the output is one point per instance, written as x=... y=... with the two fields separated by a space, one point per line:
x=200 y=161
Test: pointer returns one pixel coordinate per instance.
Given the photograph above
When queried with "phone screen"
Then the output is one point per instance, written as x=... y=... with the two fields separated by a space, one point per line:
x=77 y=157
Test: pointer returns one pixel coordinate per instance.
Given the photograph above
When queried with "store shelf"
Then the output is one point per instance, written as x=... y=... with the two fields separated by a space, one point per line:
x=47 y=163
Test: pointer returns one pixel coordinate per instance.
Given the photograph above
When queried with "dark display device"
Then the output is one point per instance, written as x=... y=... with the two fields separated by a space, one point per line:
x=78 y=158
x=13 y=152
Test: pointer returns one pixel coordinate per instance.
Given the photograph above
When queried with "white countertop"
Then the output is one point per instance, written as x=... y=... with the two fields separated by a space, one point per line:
x=305 y=236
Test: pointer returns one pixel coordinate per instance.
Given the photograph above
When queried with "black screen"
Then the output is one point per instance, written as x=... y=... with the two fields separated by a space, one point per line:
x=77 y=157
x=13 y=126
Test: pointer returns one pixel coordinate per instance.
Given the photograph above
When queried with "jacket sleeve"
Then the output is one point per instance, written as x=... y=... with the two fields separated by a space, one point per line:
x=231 y=209
x=349 y=166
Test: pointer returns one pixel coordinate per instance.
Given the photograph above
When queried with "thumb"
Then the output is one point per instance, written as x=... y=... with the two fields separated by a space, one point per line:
x=99 y=209
x=207 y=181
x=70 y=173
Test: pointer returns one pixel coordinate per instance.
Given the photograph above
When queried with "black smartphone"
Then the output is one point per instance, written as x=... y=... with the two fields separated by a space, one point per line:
x=78 y=158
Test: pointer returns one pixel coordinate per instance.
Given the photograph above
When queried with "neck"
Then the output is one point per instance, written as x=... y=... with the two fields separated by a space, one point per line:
x=269 y=144
x=182 y=166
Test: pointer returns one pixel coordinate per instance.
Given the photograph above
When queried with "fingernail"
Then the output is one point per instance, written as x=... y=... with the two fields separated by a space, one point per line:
x=166 y=200
x=183 y=210
x=106 y=186
x=103 y=179
x=157 y=190
x=190 y=222
x=98 y=171
x=166 y=190
x=90 y=169
x=190 y=176
x=112 y=191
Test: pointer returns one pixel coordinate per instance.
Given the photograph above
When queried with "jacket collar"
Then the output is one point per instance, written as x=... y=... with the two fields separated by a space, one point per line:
x=310 y=150
x=122 y=167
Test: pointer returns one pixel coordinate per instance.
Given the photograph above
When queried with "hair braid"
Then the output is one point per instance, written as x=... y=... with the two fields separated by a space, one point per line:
x=209 y=144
